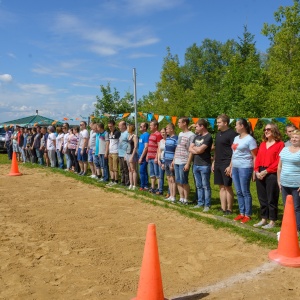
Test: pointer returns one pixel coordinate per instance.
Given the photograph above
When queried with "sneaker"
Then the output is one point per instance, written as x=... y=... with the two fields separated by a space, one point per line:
x=158 y=193
x=228 y=212
x=82 y=174
x=260 y=223
x=141 y=189
x=130 y=187
x=198 y=206
x=133 y=188
x=146 y=189
x=100 y=180
x=114 y=183
x=184 y=202
x=150 y=190
x=206 y=209
x=181 y=200
x=94 y=177
x=167 y=196
x=239 y=218
x=245 y=219
x=268 y=226
x=110 y=183
x=91 y=176
x=79 y=173
x=172 y=199
x=222 y=211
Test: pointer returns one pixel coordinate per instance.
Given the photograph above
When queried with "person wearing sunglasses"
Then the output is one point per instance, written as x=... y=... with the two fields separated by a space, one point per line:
x=266 y=165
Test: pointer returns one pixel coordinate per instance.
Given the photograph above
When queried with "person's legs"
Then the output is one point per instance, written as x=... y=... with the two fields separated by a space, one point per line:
x=245 y=175
x=237 y=184
x=152 y=173
x=199 y=187
x=161 y=179
x=115 y=167
x=272 y=189
x=144 y=174
x=262 y=197
x=205 y=175
x=106 y=170
x=122 y=175
x=9 y=150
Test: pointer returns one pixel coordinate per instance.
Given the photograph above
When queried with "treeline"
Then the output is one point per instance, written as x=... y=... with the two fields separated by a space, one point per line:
x=231 y=77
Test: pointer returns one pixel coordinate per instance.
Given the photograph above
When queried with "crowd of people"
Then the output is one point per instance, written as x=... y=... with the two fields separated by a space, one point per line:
x=118 y=156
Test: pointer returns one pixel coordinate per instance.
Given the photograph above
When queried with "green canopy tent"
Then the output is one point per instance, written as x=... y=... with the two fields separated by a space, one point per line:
x=31 y=121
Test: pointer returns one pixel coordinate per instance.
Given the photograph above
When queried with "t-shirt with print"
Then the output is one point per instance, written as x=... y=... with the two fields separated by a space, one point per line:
x=83 y=134
x=154 y=139
x=123 y=143
x=144 y=138
x=101 y=140
x=223 y=151
x=204 y=158
x=171 y=144
x=114 y=141
x=241 y=155
x=182 y=150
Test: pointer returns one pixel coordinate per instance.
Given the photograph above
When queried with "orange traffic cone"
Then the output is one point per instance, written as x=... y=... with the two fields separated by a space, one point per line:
x=150 y=284
x=288 y=252
x=14 y=171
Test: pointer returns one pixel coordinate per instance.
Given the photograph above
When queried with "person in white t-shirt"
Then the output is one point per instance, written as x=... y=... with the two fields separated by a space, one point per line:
x=51 y=146
x=81 y=150
x=91 y=149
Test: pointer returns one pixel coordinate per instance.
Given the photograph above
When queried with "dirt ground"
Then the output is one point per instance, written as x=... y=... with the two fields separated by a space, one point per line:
x=63 y=239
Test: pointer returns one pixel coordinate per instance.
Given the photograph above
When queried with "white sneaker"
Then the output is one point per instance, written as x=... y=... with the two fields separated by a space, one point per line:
x=184 y=202
x=168 y=199
x=130 y=187
x=94 y=177
x=114 y=183
x=181 y=200
x=171 y=199
x=101 y=179
x=133 y=188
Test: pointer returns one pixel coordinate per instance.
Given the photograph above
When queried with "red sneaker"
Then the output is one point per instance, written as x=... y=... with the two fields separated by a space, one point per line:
x=239 y=217
x=245 y=220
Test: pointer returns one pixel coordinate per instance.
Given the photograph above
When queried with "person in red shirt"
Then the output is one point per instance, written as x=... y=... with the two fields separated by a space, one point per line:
x=266 y=165
x=151 y=157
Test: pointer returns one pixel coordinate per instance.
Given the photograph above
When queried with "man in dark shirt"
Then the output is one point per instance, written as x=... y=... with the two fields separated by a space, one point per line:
x=201 y=148
x=221 y=164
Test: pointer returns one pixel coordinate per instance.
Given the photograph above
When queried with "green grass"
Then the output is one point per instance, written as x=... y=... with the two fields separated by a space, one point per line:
x=214 y=217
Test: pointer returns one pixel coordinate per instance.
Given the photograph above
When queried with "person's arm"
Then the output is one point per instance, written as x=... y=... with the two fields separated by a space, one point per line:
x=254 y=154
x=279 y=172
x=188 y=164
x=272 y=168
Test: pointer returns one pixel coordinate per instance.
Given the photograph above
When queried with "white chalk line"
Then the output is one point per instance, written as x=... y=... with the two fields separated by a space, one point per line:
x=238 y=278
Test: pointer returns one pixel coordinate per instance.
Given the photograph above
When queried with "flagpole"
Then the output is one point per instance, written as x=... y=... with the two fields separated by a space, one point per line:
x=135 y=101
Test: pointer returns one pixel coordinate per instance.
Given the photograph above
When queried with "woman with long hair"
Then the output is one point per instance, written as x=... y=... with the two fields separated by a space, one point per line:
x=72 y=144
x=266 y=165
x=160 y=161
x=244 y=150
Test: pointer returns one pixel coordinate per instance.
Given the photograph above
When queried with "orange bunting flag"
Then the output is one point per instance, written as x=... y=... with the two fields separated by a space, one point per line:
x=295 y=121
x=253 y=122
x=126 y=115
x=156 y=117
x=65 y=119
x=141 y=114
x=195 y=120
x=77 y=119
x=174 y=119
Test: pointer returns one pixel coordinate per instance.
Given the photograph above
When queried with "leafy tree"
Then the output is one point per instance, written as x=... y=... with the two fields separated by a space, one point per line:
x=112 y=103
x=283 y=63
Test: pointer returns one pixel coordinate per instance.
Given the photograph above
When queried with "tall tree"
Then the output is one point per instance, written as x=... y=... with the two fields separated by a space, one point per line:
x=283 y=63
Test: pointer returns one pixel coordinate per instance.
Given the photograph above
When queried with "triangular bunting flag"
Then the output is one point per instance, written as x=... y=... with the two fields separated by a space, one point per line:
x=281 y=120
x=156 y=117
x=174 y=119
x=266 y=120
x=160 y=118
x=211 y=121
x=231 y=120
x=195 y=120
x=126 y=115
x=141 y=114
x=168 y=118
x=149 y=117
x=295 y=121
x=253 y=122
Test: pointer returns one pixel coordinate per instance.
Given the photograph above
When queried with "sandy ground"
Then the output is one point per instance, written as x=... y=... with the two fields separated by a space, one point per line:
x=62 y=239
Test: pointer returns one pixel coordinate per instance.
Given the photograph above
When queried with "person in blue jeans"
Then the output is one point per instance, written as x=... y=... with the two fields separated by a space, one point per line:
x=201 y=148
x=160 y=160
x=244 y=150
x=142 y=153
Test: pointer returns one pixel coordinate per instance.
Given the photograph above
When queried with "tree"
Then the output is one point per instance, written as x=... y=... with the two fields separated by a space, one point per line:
x=283 y=63
x=111 y=102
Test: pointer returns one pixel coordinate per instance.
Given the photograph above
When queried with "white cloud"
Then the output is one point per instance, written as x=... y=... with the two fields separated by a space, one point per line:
x=41 y=89
x=5 y=78
x=103 y=41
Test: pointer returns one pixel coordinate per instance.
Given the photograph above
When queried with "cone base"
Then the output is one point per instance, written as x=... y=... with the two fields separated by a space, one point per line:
x=293 y=262
x=14 y=174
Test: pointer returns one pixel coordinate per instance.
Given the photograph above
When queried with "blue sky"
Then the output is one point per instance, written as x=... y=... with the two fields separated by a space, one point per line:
x=54 y=54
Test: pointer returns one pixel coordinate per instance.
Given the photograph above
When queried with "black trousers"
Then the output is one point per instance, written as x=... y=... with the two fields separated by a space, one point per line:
x=268 y=194
x=124 y=171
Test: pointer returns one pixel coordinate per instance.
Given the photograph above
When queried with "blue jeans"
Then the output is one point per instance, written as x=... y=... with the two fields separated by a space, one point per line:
x=202 y=180
x=161 y=179
x=9 y=149
x=153 y=168
x=296 y=199
x=144 y=174
x=104 y=165
x=39 y=155
x=241 y=179
x=181 y=176
x=60 y=158
x=68 y=160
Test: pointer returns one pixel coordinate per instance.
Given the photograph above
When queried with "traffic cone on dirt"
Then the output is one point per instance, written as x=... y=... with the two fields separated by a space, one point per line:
x=14 y=171
x=288 y=251
x=150 y=283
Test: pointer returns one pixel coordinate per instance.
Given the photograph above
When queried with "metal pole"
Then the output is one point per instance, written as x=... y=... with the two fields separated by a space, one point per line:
x=135 y=101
